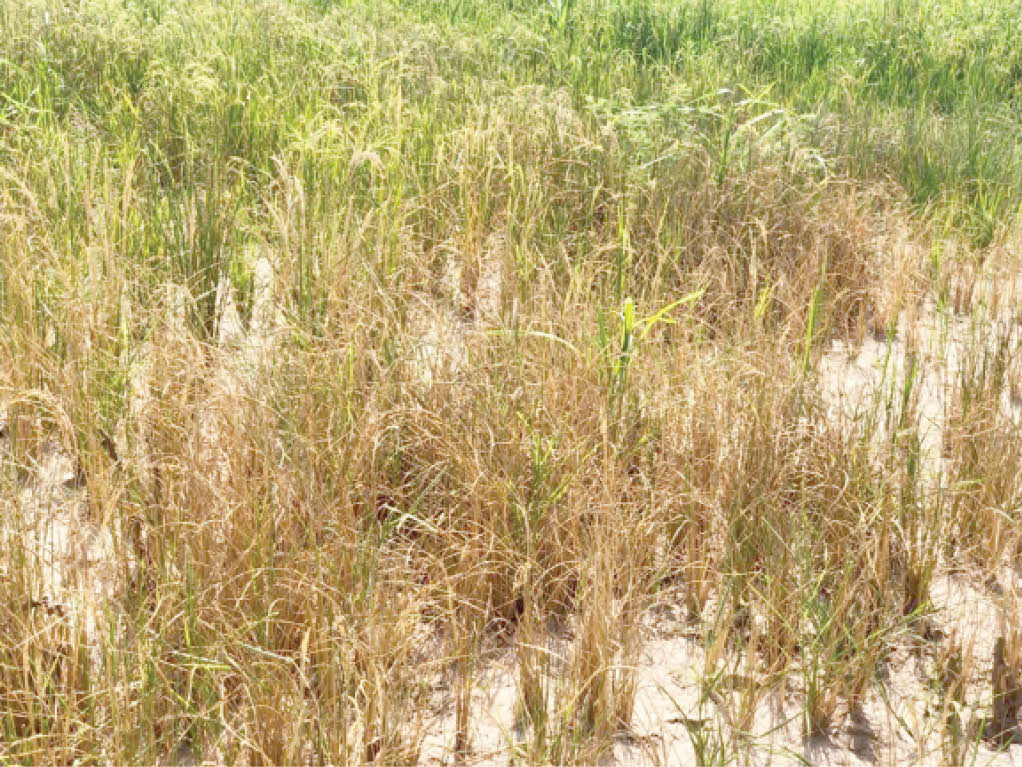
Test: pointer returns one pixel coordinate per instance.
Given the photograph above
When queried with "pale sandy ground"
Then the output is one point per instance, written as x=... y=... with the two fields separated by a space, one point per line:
x=897 y=725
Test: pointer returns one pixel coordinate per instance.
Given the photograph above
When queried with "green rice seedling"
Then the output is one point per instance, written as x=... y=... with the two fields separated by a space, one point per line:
x=711 y=744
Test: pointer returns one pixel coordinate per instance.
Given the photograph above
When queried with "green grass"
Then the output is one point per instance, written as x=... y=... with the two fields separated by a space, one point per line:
x=620 y=234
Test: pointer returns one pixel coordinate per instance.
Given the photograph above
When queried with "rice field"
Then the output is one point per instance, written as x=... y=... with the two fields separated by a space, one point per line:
x=510 y=381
